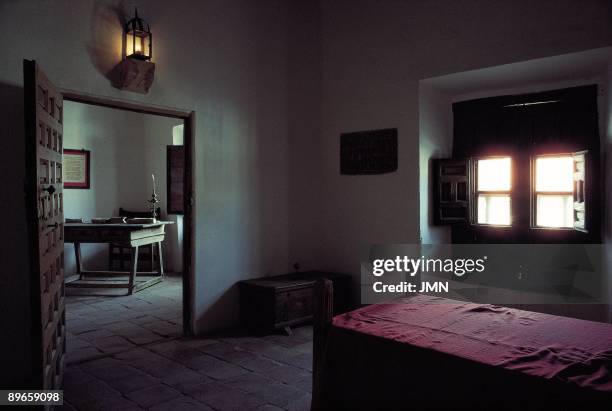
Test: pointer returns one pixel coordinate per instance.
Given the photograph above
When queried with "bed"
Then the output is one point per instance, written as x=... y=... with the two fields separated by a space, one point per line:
x=429 y=353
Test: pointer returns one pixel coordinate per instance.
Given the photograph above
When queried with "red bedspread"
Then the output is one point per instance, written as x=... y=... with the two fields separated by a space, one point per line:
x=427 y=352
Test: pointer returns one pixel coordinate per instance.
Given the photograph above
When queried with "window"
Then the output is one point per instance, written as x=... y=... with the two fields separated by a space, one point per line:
x=554 y=191
x=557 y=192
x=526 y=182
x=493 y=185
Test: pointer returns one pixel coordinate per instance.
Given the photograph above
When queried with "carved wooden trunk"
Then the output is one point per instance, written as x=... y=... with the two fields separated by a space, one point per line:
x=288 y=299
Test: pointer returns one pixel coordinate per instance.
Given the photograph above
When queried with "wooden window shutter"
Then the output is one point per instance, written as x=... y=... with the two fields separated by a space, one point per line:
x=175 y=179
x=580 y=205
x=452 y=191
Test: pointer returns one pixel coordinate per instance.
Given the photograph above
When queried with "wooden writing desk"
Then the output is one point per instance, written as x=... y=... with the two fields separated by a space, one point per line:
x=126 y=235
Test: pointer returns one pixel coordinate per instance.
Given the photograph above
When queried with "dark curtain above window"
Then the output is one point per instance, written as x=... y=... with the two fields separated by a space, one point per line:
x=559 y=120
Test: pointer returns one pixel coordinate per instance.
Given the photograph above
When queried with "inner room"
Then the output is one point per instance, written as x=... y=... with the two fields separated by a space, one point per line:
x=121 y=169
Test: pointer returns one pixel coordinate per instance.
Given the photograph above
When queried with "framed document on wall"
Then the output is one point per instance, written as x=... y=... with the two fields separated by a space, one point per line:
x=76 y=168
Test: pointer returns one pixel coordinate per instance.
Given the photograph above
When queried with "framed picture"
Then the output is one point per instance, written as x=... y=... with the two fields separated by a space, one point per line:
x=76 y=168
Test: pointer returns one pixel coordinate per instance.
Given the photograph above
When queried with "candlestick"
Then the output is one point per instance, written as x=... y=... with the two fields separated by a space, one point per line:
x=154 y=201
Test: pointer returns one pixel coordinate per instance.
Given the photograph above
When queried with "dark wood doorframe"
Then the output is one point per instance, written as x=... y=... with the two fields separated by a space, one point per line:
x=188 y=118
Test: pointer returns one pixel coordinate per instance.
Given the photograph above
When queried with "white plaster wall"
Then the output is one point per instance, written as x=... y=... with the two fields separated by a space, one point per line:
x=303 y=107
x=435 y=142
x=375 y=52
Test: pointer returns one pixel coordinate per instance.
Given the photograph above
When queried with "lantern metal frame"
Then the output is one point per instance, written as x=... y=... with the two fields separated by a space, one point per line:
x=138 y=28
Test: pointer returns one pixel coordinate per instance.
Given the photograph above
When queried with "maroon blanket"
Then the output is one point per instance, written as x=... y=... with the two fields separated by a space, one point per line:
x=428 y=352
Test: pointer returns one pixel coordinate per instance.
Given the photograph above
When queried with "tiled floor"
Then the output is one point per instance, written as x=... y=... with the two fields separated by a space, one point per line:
x=126 y=353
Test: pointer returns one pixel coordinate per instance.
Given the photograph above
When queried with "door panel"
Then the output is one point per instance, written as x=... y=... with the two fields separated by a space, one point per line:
x=44 y=131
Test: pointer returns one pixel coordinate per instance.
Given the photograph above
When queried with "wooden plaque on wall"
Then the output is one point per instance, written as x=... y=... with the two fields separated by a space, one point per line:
x=175 y=179
x=368 y=152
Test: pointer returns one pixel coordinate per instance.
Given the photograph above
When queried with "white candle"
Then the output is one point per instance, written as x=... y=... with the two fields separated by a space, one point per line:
x=153 y=177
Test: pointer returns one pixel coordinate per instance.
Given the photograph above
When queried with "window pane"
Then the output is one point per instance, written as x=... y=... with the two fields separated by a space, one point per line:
x=555 y=210
x=554 y=173
x=494 y=209
x=494 y=174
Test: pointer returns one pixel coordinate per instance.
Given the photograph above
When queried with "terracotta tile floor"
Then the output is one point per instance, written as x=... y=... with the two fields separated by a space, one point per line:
x=127 y=353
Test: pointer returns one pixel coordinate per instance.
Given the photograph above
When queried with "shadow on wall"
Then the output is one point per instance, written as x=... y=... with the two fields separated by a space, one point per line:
x=105 y=46
x=14 y=278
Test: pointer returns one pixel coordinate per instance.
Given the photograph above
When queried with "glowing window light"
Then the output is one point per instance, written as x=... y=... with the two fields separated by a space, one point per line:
x=494 y=174
x=494 y=209
x=555 y=211
x=493 y=184
x=554 y=174
x=554 y=182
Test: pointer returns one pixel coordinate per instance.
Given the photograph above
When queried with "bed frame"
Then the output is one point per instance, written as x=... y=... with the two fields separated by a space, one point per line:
x=323 y=314
x=571 y=398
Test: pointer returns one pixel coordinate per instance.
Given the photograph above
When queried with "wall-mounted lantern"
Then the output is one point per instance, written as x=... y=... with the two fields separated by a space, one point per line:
x=137 y=71
x=138 y=39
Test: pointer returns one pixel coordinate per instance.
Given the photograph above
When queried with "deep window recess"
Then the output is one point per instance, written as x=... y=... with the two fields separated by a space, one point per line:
x=534 y=169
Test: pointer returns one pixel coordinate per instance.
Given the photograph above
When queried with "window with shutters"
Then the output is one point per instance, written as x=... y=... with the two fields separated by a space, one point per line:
x=558 y=191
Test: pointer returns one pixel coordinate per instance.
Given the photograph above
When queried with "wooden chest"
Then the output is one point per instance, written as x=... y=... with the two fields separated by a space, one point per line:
x=285 y=300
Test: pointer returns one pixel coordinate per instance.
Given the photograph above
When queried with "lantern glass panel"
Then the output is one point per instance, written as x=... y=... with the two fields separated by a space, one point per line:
x=137 y=44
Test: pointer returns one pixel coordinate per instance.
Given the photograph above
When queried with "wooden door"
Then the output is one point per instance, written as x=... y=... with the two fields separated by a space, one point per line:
x=43 y=124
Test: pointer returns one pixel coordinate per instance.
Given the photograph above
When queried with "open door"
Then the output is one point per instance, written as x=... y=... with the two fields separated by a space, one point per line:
x=43 y=131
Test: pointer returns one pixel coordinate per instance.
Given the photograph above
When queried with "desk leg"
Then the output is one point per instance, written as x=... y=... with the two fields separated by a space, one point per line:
x=133 y=269
x=79 y=261
x=161 y=259
x=152 y=256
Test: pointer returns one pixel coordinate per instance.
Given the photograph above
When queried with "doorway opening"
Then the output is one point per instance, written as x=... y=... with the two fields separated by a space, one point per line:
x=134 y=151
